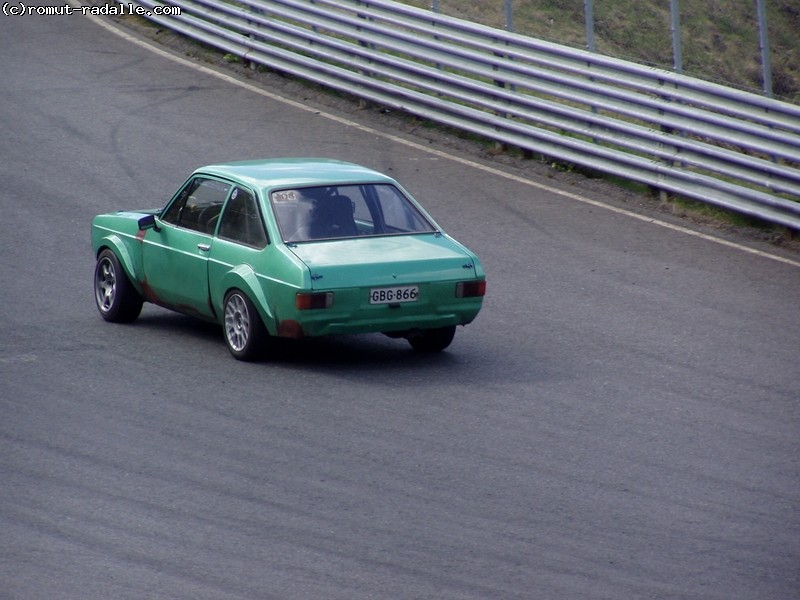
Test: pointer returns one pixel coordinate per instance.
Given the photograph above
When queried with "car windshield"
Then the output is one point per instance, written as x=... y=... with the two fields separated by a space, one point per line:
x=346 y=211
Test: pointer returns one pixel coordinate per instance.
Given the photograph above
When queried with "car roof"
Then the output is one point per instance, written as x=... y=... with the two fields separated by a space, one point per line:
x=267 y=174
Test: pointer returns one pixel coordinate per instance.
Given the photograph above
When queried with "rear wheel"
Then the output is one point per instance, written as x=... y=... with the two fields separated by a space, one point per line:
x=433 y=340
x=116 y=298
x=244 y=331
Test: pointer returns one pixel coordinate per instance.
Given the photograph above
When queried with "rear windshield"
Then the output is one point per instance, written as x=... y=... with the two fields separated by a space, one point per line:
x=346 y=211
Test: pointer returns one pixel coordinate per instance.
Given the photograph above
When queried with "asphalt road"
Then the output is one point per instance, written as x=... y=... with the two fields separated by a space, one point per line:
x=622 y=421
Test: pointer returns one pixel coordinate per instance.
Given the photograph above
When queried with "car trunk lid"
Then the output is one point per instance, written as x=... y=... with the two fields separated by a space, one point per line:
x=392 y=260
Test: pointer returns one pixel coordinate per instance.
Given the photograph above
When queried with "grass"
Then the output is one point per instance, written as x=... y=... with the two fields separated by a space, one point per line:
x=720 y=41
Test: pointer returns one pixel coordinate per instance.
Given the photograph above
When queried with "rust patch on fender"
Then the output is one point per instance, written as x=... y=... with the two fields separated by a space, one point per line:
x=290 y=328
x=140 y=235
x=148 y=293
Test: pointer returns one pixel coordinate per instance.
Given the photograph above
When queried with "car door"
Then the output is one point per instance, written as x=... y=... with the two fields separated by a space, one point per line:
x=175 y=257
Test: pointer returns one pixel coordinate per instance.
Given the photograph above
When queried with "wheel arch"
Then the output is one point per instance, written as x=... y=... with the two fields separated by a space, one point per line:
x=117 y=245
x=244 y=278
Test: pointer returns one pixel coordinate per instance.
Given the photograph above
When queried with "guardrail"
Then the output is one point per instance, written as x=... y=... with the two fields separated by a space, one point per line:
x=719 y=145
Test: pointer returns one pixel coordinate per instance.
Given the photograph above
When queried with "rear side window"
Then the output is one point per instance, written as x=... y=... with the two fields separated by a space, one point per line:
x=241 y=221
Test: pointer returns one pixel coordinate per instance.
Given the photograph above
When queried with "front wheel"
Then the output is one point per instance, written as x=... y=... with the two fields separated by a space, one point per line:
x=244 y=331
x=433 y=340
x=116 y=298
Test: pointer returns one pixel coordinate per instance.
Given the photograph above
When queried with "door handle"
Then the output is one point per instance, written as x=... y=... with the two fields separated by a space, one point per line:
x=204 y=247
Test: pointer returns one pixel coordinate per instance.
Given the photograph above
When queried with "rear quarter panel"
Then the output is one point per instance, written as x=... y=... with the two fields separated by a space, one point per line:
x=270 y=277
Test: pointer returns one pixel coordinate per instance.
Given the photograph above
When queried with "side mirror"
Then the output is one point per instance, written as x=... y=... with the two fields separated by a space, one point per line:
x=148 y=222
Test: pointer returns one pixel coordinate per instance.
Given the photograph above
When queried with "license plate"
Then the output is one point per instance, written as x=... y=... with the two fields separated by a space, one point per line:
x=394 y=295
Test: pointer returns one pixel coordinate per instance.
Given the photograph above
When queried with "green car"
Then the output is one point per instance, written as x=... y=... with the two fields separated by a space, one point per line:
x=289 y=248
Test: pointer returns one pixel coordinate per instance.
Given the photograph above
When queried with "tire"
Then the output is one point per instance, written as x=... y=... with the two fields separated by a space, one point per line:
x=433 y=340
x=116 y=298
x=242 y=327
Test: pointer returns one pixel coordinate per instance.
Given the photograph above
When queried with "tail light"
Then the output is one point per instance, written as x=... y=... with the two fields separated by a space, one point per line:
x=309 y=301
x=471 y=289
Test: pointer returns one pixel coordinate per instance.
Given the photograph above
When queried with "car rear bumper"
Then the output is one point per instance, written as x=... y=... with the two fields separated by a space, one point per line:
x=352 y=313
